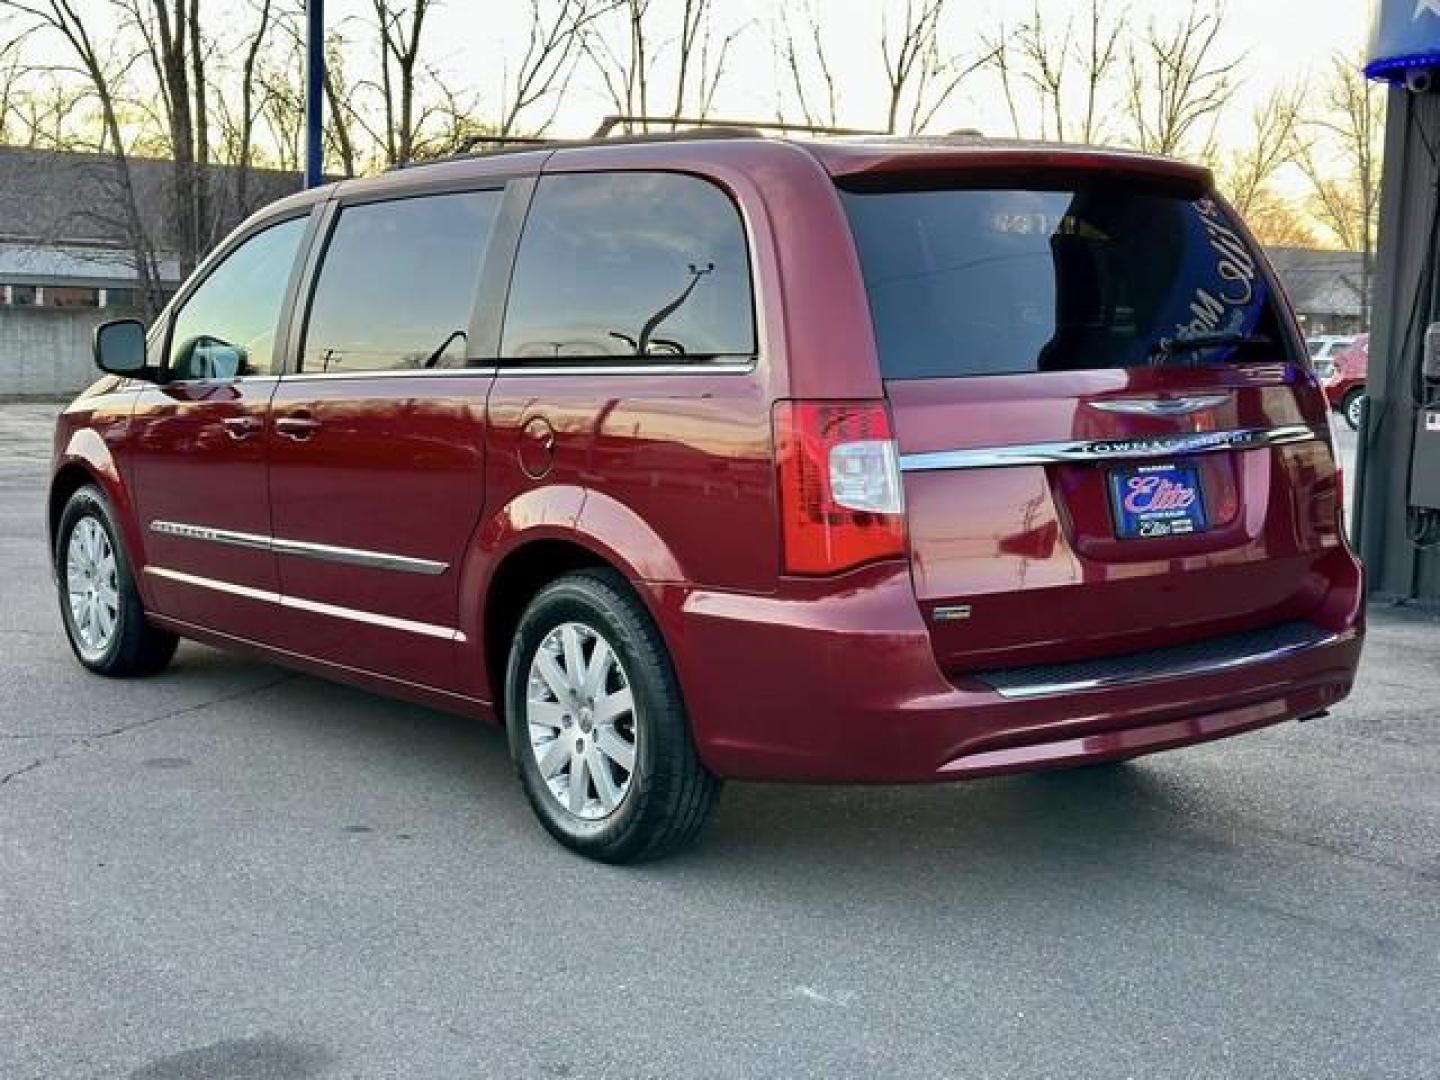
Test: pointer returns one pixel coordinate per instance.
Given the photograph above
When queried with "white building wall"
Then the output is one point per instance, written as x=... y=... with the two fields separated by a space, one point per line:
x=46 y=352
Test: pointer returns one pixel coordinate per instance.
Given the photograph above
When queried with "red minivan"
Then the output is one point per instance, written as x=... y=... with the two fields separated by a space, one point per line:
x=697 y=458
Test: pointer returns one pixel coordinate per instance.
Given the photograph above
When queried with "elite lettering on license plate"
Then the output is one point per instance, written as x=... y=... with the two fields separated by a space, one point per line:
x=1153 y=501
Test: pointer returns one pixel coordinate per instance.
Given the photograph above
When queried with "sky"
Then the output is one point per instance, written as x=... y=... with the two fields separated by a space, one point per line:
x=1283 y=41
x=472 y=42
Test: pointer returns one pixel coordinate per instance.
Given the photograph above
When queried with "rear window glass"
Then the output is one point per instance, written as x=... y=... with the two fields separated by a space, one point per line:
x=994 y=282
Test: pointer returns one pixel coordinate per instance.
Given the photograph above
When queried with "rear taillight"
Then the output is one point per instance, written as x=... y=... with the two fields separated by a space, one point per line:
x=1339 y=463
x=841 y=502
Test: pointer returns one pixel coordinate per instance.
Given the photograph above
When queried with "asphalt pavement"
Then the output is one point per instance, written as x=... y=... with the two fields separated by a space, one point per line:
x=230 y=872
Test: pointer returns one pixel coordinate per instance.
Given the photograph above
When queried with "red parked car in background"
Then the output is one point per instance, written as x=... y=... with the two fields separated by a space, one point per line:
x=1344 y=383
x=696 y=458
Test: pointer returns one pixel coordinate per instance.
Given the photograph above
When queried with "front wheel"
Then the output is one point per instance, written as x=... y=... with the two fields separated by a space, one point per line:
x=99 y=603
x=597 y=727
x=1352 y=407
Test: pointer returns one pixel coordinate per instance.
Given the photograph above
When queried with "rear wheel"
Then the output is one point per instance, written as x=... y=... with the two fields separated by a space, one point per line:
x=1352 y=407
x=99 y=603
x=597 y=727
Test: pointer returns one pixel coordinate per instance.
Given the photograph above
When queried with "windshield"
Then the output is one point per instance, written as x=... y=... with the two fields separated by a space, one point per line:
x=1100 y=275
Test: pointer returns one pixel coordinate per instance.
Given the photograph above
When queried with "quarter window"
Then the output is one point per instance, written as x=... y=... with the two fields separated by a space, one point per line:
x=631 y=264
x=398 y=284
x=227 y=326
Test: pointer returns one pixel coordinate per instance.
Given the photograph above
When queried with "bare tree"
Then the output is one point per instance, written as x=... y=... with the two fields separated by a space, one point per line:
x=1282 y=223
x=1340 y=149
x=624 y=70
x=709 y=72
x=13 y=74
x=629 y=52
x=170 y=30
x=339 y=106
x=920 y=74
x=400 y=33
x=806 y=69
x=282 y=111
x=555 y=35
x=1099 y=57
x=240 y=115
x=40 y=108
x=1178 y=82
x=244 y=147
x=1247 y=174
x=61 y=19
x=1045 y=62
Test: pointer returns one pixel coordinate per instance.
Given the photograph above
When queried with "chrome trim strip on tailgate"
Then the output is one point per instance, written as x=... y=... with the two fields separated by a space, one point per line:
x=1199 y=658
x=1203 y=442
x=376 y=560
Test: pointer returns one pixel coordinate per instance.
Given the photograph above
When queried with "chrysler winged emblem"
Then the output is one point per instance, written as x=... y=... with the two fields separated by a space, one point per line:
x=1164 y=406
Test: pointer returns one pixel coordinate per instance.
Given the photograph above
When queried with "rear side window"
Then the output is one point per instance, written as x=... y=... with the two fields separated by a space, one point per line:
x=993 y=282
x=398 y=283
x=631 y=264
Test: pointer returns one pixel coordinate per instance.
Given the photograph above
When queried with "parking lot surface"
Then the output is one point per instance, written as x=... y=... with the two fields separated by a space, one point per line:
x=234 y=872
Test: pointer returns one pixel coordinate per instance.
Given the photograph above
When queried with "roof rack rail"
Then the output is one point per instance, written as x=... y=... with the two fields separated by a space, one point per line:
x=741 y=128
x=467 y=145
x=691 y=127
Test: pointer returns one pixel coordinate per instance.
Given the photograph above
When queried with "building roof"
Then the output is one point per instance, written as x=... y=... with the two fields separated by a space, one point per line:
x=62 y=212
x=1321 y=282
x=80 y=265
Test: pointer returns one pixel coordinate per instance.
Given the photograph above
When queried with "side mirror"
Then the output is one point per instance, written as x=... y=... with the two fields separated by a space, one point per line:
x=1430 y=365
x=120 y=347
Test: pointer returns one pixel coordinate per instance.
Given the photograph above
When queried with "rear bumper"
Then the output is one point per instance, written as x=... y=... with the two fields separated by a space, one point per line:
x=842 y=686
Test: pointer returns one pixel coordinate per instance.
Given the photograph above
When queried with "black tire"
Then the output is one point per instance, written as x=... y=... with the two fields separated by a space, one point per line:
x=670 y=794
x=135 y=646
x=1351 y=406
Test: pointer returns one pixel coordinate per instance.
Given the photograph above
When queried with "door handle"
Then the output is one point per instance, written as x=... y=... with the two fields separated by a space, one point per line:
x=299 y=426
x=241 y=427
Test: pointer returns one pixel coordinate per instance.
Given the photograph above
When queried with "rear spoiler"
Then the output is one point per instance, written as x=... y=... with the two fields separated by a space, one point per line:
x=861 y=166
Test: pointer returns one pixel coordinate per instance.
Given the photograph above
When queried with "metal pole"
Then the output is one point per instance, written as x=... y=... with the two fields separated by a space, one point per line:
x=314 y=92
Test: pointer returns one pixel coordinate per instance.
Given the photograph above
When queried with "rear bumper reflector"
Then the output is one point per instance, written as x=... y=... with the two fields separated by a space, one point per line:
x=1162 y=446
x=1197 y=658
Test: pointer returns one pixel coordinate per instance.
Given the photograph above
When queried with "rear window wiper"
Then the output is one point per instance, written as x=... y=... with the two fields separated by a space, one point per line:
x=1196 y=342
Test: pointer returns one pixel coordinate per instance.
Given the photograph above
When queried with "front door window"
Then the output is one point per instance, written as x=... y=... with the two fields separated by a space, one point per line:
x=226 y=328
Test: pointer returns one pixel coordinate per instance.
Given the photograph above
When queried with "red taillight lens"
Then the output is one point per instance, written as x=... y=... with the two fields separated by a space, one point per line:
x=841 y=502
x=1339 y=463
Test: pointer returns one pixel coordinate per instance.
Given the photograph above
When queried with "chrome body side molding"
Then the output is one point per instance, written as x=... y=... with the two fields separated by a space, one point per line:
x=375 y=560
x=1059 y=453
x=216 y=536
x=298 y=603
x=378 y=560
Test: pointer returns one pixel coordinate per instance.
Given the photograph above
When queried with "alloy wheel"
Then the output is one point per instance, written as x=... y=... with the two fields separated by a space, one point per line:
x=92 y=586
x=581 y=721
x=1353 y=408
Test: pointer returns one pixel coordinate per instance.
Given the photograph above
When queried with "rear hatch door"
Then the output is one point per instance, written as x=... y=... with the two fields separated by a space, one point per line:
x=1110 y=436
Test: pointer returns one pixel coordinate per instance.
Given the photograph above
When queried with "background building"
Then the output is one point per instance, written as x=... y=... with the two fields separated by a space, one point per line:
x=68 y=255
x=1325 y=287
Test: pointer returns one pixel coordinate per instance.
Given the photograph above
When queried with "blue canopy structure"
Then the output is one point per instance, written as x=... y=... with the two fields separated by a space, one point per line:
x=1404 y=36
